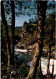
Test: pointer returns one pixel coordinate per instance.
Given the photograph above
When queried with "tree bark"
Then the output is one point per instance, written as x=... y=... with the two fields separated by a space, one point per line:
x=50 y=45
x=12 y=31
x=6 y=32
x=41 y=9
x=9 y=41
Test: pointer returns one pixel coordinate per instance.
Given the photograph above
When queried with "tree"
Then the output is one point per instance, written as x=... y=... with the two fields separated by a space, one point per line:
x=12 y=32
x=9 y=41
x=51 y=30
x=41 y=22
x=50 y=23
x=6 y=30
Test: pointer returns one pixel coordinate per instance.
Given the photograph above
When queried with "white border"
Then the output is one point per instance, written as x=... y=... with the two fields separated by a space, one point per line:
x=0 y=39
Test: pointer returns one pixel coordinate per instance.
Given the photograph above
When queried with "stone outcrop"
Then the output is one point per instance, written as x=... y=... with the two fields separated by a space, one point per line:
x=29 y=34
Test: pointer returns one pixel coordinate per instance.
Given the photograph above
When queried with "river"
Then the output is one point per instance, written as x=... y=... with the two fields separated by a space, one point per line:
x=23 y=55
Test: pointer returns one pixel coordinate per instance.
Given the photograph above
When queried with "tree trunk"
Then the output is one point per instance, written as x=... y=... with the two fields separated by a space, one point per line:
x=50 y=44
x=6 y=32
x=48 y=72
x=12 y=32
x=9 y=41
x=42 y=6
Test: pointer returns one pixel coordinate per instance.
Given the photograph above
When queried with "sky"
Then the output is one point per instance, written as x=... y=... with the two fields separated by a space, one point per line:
x=19 y=20
x=24 y=16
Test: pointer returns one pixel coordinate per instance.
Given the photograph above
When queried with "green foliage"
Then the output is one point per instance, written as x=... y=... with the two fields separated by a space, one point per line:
x=51 y=5
x=3 y=70
x=23 y=70
x=53 y=48
x=18 y=31
x=49 y=28
x=25 y=7
x=37 y=77
x=17 y=62
x=30 y=32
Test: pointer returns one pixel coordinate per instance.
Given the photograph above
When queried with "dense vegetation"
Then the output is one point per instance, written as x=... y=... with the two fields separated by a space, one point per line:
x=29 y=31
x=30 y=36
x=27 y=35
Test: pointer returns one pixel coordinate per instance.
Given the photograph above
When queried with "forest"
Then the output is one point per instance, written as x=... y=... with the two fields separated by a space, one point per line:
x=28 y=49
